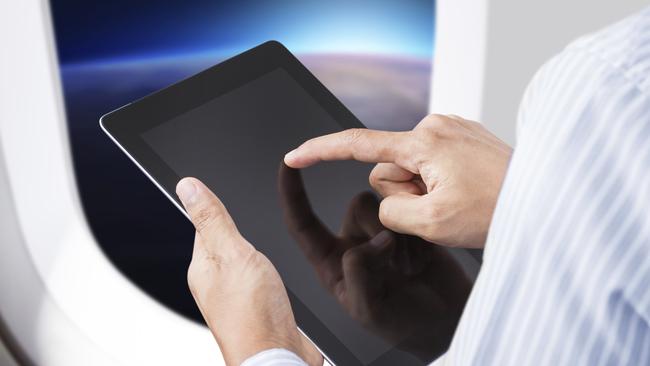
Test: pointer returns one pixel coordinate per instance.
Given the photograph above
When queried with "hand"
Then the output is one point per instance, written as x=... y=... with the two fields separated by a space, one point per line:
x=239 y=292
x=399 y=287
x=439 y=181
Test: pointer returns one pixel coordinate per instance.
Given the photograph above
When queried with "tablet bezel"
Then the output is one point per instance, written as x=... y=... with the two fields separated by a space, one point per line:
x=125 y=126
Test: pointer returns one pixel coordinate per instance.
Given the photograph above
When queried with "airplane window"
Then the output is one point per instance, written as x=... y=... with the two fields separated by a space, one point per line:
x=374 y=55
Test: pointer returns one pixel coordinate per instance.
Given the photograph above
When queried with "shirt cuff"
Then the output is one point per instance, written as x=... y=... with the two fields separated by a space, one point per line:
x=274 y=357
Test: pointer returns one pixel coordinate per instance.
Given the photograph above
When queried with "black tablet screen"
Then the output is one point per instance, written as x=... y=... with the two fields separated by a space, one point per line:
x=235 y=144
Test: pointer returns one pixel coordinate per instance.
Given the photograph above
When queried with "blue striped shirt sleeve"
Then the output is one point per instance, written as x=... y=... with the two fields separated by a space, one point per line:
x=567 y=265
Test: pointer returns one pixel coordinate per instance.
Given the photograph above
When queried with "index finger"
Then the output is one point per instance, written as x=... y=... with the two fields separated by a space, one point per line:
x=311 y=234
x=370 y=146
x=318 y=244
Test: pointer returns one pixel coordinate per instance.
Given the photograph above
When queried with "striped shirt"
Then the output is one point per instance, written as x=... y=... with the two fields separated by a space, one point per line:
x=566 y=272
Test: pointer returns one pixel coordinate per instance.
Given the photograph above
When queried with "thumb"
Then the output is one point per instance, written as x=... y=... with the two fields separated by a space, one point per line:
x=209 y=216
x=407 y=213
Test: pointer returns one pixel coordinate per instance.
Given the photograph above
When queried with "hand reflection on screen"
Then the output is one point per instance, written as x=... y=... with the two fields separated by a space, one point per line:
x=405 y=290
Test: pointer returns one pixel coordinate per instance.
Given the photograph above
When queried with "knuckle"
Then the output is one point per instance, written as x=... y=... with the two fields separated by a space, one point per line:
x=433 y=213
x=438 y=121
x=437 y=132
x=434 y=224
x=206 y=216
x=385 y=149
x=433 y=120
x=375 y=176
x=422 y=142
x=437 y=118
x=352 y=135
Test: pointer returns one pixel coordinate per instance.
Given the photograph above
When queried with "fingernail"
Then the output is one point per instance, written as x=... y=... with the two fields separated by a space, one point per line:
x=382 y=238
x=290 y=155
x=186 y=190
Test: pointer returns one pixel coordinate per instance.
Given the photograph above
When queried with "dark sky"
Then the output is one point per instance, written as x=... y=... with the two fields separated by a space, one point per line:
x=118 y=29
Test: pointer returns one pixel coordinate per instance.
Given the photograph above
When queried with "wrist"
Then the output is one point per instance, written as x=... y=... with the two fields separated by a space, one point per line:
x=236 y=349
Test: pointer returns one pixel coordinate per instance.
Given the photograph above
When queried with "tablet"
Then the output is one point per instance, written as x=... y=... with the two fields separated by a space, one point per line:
x=230 y=127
